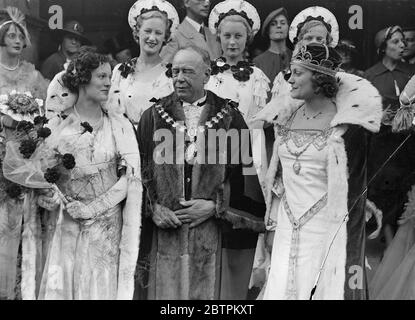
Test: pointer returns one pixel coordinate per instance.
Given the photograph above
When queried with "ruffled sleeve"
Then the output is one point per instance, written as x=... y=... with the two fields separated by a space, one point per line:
x=164 y=86
x=114 y=105
x=260 y=88
x=279 y=86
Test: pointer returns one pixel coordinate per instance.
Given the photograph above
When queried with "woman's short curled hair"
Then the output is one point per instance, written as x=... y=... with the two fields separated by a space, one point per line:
x=324 y=83
x=237 y=18
x=311 y=24
x=6 y=28
x=149 y=15
x=80 y=69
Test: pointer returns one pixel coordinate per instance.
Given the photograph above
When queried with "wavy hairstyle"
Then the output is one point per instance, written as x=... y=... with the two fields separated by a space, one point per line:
x=311 y=24
x=323 y=83
x=4 y=29
x=237 y=18
x=80 y=69
x=149 y=15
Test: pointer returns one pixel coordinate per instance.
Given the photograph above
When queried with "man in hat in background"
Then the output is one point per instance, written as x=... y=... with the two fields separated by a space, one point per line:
x=72 y=37
x=409 y=51
x=193 y=32
x=277 y=57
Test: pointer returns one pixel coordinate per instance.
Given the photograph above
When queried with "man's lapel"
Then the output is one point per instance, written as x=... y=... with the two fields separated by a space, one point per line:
x=188 y=30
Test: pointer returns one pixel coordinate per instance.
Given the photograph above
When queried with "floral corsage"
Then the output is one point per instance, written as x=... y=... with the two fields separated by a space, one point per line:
x=241 y=71
x=127 y=68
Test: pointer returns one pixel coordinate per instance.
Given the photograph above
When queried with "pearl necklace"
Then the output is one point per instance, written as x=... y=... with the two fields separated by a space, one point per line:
x=10 y=68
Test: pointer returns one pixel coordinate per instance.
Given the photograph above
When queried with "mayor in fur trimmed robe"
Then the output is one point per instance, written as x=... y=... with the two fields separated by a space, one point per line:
x=214 y=259
x=359 y=111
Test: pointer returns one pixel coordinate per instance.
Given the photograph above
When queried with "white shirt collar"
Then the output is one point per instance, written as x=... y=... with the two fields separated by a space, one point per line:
x=195 y=24
x=203 y=99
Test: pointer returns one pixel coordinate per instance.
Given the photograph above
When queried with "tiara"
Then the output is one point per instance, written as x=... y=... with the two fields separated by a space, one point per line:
x=153 y=8
x=325 y=66
x=233 y=12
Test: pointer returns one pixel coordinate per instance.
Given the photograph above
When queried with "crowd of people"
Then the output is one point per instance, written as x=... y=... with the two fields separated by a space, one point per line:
x=194 y=172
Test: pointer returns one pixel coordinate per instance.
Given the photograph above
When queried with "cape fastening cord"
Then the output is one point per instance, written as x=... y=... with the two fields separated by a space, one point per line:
x=313 y=291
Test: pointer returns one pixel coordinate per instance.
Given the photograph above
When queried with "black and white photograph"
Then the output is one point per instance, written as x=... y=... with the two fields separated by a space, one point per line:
x=224 y=151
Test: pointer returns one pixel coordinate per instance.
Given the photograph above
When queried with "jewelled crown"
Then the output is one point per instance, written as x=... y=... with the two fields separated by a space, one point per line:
x=306 y=59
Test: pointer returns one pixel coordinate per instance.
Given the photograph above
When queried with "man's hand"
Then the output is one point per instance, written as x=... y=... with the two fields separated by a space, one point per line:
x=164 y=218
x=197 y=211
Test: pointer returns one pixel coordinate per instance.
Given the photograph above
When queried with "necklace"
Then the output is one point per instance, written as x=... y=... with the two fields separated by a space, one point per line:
x=94 y=124
x=191 y=150
x=297 y=154
x=312 y=117
x=10 y=68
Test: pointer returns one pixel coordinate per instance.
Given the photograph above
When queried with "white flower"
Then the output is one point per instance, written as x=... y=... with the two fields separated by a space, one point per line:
x=39 y=102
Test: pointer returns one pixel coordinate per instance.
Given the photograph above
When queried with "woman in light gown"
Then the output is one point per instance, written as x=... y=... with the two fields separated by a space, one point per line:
x=236 y=79
x=94 y=246
x=143 y=78
x=15 y=74
x=312 y=25
x=395 y=277
x=317 y=178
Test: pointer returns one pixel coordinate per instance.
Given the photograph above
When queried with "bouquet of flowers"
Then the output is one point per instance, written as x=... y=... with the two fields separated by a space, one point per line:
x=21 y=106
x=24 y=108
x=32 y=163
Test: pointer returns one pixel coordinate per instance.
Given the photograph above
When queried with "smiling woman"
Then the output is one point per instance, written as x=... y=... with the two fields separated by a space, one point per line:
x=239 y=80
x=85 y=257
x=137 y=81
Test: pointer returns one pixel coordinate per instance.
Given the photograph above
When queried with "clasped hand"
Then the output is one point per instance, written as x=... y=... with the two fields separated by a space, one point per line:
x=196 y=212
x=79 y=211
x=48 y=200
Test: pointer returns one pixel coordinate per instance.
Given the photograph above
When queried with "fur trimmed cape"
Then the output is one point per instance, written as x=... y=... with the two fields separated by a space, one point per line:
x=186 y=263
x=359 y=111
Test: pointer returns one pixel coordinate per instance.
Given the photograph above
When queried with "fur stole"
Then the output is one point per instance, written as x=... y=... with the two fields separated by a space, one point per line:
x=358 y=103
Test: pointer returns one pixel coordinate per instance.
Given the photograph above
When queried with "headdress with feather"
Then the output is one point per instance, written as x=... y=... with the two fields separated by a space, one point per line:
x=17 y=17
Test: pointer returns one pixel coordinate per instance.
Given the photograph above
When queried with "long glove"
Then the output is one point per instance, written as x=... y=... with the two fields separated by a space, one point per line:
x=100 y=205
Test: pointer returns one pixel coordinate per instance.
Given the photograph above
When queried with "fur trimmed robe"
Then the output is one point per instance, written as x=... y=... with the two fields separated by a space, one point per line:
x=186 y=263
x=359 y=111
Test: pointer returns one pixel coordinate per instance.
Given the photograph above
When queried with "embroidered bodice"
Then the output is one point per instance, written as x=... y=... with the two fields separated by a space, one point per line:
x=307 y=150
